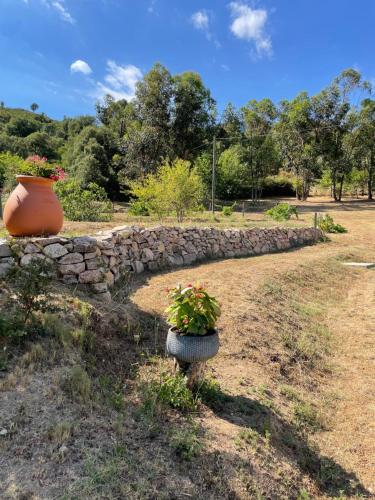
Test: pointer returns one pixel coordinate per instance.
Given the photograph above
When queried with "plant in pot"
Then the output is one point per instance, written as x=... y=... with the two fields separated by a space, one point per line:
x=33 y=208
x=192 y=315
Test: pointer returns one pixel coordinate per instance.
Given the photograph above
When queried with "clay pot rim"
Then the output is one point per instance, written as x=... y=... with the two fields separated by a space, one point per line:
x=35 y=179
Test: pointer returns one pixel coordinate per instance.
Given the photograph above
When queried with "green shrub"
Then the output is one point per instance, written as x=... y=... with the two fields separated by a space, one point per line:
x=139 y=208
x=84 y=204
x=282 y=211
x=31 y=292
x=228 y=210
x=327 y=225
x=278 y=185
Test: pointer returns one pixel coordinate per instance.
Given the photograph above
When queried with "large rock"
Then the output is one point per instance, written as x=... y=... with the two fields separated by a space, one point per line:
x=99 y=287
x=72 y=268
x=49 y=241
x=29 y=257
x=4 y=269
x=55 y=251
x=32 y=248
x=71 y=258
x=5 y=250
x=84 y=244
x=138 y=266
x=91 y=276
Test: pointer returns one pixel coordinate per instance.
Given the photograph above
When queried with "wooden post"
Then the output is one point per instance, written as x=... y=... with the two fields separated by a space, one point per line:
x=194 y=372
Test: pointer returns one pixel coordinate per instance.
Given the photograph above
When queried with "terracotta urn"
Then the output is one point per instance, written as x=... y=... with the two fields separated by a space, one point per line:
x=33 y=209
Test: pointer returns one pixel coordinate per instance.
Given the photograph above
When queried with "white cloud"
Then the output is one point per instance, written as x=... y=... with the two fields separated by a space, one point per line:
x=120 y=81
x=200 y=20
x=249 y=24
x=80 y=66
x=59 y=6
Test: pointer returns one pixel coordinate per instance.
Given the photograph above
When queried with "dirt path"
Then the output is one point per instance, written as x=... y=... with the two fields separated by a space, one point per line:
x=351 y=442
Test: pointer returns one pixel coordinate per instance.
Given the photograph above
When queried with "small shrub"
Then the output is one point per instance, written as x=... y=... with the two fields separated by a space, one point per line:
x=77 y=384
x=186 y=443
x=84 y=204
x=31 y=287
x=139 y=208
x=227 y=211
x=327 y=225
x=282 y=212
x=210 y=393
x=169 y=390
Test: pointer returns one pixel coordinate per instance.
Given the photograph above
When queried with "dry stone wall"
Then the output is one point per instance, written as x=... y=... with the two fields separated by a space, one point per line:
x=97 y=261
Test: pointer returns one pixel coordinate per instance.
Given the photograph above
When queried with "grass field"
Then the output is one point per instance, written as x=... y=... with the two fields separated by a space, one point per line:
x=286 y=411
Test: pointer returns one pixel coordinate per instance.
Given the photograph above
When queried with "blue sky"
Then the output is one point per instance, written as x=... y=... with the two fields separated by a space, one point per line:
x=65 y=54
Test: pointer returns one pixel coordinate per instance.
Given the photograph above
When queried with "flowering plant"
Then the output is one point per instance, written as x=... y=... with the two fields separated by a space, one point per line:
x=192 y=310
x=38 y=166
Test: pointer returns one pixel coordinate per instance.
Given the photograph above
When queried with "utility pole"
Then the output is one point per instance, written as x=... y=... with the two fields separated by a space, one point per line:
x=213 y=176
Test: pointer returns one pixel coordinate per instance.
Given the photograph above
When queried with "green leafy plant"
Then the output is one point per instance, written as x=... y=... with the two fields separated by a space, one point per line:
x=192 y=310
x=30 y=287
x=282 y=211
x=139 y=208
x=83 y=204
x=327 y=225
x=228 y=210
x=38 y=166
x=186 y=443
x=168 y=390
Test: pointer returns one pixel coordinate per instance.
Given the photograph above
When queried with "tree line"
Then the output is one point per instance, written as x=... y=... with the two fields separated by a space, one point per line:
x=327 y=138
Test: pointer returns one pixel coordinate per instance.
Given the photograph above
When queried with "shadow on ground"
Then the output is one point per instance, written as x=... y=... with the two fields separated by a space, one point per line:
x=328 y=475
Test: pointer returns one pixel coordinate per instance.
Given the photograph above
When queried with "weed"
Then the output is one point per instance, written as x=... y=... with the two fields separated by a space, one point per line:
x=60 y=433
x=185 y=442
x=290 y=393
x=37 y=355
x=306 y=417
x=303 y=495
x=112 y=392
x=247 y=437
x=77 y=384
x=169 y=390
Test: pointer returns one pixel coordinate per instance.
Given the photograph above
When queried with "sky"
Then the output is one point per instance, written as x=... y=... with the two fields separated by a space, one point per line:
x=66 y=54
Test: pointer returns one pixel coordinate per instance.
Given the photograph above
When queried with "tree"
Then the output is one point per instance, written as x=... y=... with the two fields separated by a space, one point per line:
x=175 y=187
x=363 y=139
x=259 y=152
x=295 y=137
x=232 y=174
x=193 y=114
x=333 y=124
x=34 y=107
x=232 y=125
x=41 y=144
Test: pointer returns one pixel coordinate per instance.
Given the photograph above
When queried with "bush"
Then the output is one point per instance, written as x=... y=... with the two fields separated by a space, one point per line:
x=139 y=208
x=282 y=211
x=174 y=188
x=327 y=225
x=228 y=210
x=84 y=204
x=278 y=185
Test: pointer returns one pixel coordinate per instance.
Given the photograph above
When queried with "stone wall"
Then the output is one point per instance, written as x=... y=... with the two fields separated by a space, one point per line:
x=97 y=261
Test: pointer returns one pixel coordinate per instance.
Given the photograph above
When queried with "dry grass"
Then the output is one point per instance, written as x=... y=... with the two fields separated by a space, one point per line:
x=286 y=411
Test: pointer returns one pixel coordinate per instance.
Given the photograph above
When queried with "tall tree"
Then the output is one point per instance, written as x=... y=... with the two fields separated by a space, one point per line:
x=295 y=136
x=193 y=114
x=34 y=106
x=333 y=123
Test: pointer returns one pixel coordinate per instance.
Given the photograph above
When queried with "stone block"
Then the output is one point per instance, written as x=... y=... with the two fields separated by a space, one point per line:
x=91 y=276
x=72 y=268
x=84 y=244
x=29 y=257
x=55 y=250
x=5 y=250
x=71 y=258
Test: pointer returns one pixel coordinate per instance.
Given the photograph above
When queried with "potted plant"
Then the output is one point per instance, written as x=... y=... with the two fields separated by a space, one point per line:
x=33 y=209
x=192 y=315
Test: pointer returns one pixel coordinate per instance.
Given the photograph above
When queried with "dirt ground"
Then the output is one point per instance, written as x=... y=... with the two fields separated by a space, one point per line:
x=297 y=333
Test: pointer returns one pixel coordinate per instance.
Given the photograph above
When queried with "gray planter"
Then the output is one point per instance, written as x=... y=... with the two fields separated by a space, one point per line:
x=192 y=349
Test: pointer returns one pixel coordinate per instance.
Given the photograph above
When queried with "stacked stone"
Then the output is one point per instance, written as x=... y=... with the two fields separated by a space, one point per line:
x=97 y=262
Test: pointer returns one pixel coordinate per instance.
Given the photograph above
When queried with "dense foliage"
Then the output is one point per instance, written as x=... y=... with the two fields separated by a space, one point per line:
x=192 y=310
x=323 y=140
x=282 y=211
